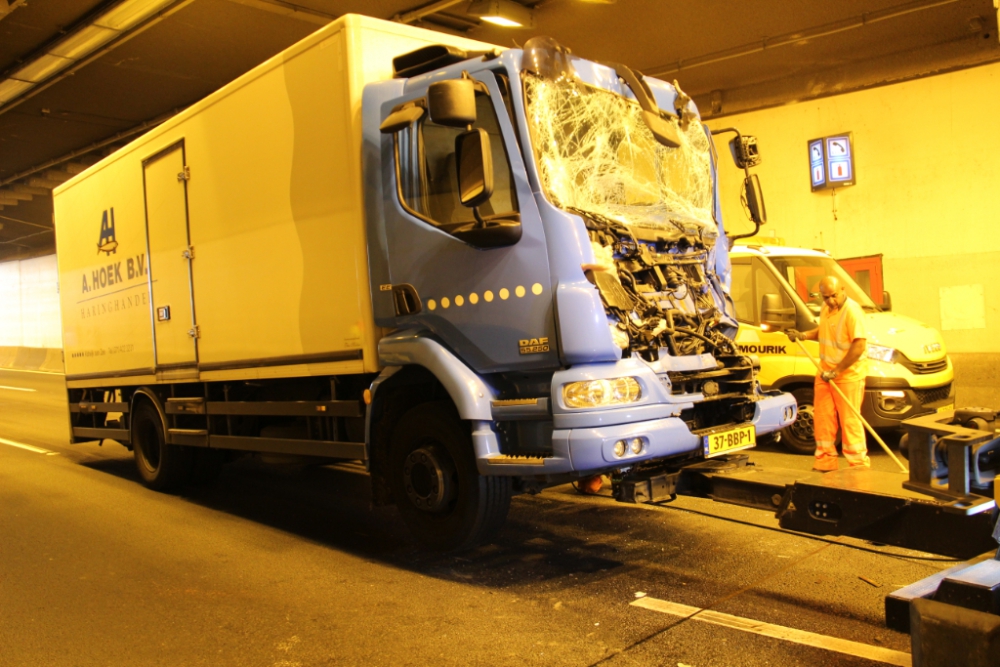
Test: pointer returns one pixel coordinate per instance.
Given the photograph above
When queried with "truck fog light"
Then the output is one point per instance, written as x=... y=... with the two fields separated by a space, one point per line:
x=788 y=414
x=636 y=445
x=620 y=448
x=601 y=393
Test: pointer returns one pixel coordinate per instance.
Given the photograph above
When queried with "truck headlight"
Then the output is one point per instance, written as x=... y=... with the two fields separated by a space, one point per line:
x=601 y=393
x=882 y=353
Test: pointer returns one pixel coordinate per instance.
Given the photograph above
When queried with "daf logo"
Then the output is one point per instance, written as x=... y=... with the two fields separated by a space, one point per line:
x=107 y=243
x=933 y=347
x=533 y=345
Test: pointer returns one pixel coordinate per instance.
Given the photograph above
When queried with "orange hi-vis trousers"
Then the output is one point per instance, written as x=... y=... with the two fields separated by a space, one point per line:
x=828 y=405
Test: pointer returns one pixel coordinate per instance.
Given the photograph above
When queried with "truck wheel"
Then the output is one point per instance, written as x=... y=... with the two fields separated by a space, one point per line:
x=798 y=437
x=443 y=499
x=162 y=467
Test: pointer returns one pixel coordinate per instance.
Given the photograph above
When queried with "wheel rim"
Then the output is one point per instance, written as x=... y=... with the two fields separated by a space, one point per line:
x=802 y=428
x=428 y=477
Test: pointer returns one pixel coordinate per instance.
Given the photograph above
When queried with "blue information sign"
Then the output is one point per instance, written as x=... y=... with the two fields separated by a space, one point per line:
x=816 y=164
x=831 y=161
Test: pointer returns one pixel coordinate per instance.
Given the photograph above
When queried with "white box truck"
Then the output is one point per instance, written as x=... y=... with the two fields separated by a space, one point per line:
x=909 y=372
x=480 y=272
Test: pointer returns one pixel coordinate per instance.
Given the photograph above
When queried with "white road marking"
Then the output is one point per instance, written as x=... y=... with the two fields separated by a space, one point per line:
x=30 y=448
x=836 y=644
x=3 y=386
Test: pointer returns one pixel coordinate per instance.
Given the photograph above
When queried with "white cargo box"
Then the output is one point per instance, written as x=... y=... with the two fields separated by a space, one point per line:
x=229 y=242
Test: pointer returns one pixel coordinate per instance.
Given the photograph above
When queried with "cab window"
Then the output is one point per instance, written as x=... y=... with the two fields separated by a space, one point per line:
x=431 y=155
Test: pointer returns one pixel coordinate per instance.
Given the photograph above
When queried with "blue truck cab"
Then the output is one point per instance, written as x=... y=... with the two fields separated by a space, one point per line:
x=549 y=263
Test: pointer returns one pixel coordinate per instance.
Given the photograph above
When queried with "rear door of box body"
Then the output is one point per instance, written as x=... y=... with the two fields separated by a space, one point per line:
x=170 y=256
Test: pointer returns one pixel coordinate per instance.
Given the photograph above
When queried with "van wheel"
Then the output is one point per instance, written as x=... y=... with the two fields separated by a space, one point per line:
x=162 y=467
x=799 y=437
x=443 y=499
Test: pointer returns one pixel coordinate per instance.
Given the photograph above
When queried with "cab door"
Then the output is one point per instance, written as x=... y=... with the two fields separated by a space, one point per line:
x=492 y=306
x=175 y=331
x=780 y=358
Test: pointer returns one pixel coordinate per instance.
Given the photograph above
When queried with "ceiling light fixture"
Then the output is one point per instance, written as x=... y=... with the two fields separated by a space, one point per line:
x=506 y=13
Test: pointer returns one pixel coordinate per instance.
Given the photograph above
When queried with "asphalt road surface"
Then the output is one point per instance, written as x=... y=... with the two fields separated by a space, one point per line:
x=291 y=567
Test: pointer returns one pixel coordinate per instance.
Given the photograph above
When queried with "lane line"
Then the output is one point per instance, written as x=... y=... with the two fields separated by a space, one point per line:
x=845 y=646
x=30 y=448
x=3 y=386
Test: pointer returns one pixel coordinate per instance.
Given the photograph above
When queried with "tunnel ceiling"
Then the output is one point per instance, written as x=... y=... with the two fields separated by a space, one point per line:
x=729 y=56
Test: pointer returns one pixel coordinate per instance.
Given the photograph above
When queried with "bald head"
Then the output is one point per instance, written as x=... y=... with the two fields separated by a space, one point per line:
x=833 y=293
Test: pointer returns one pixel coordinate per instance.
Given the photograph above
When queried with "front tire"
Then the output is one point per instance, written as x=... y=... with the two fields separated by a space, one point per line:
x=162 y=467
x=443 y=499
x=799 y=437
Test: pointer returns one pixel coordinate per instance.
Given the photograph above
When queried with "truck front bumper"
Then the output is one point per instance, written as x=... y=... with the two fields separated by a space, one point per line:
x=587 y=451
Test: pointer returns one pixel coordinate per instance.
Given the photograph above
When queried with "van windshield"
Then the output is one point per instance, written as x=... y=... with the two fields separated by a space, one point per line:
x=803 y=273
x=596 y=154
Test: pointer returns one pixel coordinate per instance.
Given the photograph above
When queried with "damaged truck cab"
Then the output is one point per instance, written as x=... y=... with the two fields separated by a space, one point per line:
x=577 y=316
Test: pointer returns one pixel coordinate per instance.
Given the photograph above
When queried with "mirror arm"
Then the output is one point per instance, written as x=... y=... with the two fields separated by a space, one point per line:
x=480 y=223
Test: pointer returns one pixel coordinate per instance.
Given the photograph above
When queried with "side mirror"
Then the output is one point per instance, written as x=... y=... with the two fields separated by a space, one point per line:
x=886 y=301
x=475 y=167
x=452 y=102
x=754 y=198
x=774 y=316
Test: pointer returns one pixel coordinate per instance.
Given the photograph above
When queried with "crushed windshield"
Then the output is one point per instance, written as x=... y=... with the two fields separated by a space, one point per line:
x=596 y=154
x=804 y=274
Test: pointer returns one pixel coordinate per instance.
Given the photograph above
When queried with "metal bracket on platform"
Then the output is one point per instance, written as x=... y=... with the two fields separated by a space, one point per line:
x=948 y=459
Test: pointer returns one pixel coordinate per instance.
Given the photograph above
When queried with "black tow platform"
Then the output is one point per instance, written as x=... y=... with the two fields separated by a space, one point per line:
x=861 y=503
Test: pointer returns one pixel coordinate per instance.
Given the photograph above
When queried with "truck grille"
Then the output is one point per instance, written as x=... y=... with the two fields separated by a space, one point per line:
x=923 y=367
x=933 y=395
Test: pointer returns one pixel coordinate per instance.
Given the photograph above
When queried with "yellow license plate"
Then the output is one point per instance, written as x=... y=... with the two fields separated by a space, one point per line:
x=730 y=440
x=946 y=408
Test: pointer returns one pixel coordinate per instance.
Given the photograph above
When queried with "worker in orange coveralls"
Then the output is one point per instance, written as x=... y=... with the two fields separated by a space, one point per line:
x=843 y=360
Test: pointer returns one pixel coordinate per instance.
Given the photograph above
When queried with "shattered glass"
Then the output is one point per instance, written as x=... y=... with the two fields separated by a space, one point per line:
x=595 y=153
x=648 y=208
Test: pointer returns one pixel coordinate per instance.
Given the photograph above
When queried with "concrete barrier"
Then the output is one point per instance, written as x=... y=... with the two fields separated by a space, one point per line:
x=43 y=359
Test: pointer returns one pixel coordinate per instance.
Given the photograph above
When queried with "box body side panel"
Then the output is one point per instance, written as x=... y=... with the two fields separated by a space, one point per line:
x=275 y=213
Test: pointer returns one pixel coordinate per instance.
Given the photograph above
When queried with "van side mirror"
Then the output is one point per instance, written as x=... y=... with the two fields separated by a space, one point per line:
x=475 y=167
x=774 y=316
x=753 y=196
x=452 y=102
x=886 y=301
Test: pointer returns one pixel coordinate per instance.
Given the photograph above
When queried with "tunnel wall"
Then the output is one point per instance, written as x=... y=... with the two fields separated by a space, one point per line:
x=926 y=199
x=30 y=332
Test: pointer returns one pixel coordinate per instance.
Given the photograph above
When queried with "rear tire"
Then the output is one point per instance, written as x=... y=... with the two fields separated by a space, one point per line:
x=443 y=499
x=799 y=437
x=162 y=467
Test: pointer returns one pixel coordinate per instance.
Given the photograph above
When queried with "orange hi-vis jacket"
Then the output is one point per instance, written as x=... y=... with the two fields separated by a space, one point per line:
x=836 y=333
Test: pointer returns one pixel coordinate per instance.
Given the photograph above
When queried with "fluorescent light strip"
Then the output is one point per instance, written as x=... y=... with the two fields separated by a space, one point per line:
x=78 y=45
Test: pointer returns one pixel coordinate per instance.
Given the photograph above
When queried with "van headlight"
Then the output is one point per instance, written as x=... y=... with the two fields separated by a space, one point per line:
x=601 y=393
x=882 y=353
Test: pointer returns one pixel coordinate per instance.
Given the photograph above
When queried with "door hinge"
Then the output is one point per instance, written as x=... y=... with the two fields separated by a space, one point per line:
x=189 y=253
x=185 y=174
x=195 y=331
